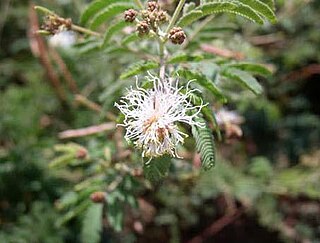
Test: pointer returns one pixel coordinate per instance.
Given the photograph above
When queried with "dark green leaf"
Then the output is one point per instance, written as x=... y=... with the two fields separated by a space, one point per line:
x=202 y=80
x=92 y=224
x=137 y=68
x=204 y=144
x=244 y=78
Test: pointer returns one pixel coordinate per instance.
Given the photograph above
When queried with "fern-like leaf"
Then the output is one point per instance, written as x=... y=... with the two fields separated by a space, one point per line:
x=244 y=78
x=109 y=12
x=204 y=144
x=92 y=224
x=202 y=80
x=118 y=26
x=93 y=8
x=137 y=68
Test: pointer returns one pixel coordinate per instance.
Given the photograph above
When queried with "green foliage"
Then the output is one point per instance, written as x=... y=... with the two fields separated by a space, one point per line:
x=111 y=11
x=138 y=68
x=203 y=81
x=253 y=10
x=111 y=31
x=92 y=224
x=244 y=78
x=205 y=144
x=156 y=168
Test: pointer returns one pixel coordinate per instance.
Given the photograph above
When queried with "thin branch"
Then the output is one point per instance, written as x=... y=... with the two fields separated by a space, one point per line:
x=93 y=106
x=72 y=84
x=76 y=133
x=85 y=31
x=139 y=3
x=40 y=50
x=197 y=30
x=222 y=52
x=175 y=15
x=217 y=226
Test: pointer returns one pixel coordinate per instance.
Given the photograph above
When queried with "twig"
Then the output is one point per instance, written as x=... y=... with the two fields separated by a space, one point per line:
x=93 y=106
x=222 y=52
x=139 y=3
x=303 y=73
x=217 y=226
x=175 y=15
x=65 y=71
x=197 y=30
x=85 y=31
x=75 y=133
x=40 y=49
x=88 y=103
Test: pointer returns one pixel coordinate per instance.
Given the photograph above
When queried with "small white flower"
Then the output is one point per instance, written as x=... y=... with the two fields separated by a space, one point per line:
x=151 y=116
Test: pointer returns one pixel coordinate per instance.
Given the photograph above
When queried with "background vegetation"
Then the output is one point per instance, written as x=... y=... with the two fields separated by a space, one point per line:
x=263 y=188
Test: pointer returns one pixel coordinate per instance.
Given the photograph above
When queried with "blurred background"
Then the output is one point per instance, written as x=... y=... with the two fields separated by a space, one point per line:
x=265 y=186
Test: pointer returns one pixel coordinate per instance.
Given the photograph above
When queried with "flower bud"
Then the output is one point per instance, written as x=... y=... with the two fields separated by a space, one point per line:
x=162 y=17
x=177 y=35
x=98 y=197
x=82 y=153
x=54 y=24
x=143 y=28
x=130 y=15
x=153 y=5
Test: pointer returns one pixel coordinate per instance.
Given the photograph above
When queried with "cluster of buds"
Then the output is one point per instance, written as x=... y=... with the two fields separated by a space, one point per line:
x=152 y=18
x=54 y=24
x=177 y=35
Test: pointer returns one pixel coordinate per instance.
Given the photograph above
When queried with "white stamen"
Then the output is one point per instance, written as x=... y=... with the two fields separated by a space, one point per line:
x=151 y=116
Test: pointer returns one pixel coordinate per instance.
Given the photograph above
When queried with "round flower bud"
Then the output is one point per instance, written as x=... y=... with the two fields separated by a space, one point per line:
x=143 y=28
x=130 y=15
x=98 y=197
x=145 y=14
x=153 y=5
x=162 y=17
x=82 y=153
x=177 y=35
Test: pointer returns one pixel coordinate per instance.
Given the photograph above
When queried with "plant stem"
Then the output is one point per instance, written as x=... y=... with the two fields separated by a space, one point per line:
x=162 y=70
x=139 y=3
x=197 y=30
x=85 y=31
x=175 y=15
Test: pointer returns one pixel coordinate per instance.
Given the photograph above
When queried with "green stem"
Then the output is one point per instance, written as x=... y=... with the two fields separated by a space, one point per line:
x=175 y=15
x=162 y=70
x=44 y=10
x=139 y=3
x=85 y=31
x=197 y=30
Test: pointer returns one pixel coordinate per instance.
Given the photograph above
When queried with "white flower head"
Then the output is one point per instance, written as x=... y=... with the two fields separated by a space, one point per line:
x=151 y=116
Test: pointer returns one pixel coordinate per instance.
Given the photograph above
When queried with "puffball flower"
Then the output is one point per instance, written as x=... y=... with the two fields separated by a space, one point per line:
x=151 y=116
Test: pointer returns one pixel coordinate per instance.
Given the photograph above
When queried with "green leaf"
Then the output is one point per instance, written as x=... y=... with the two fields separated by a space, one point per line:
x=262 y=8
x=118 y=26
x=204 y=144
x=184 y=57
x=270 y=3
x=188 y=7
x=234 y=7
x=155 y=169
x=130 y=38
x=190 y=17
x=93 y=8
x=244 y=78
x=115 y=207
x=251 y=67
x=111 y=11
x=202 y=80
x=137 y=68
x=92 y=224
